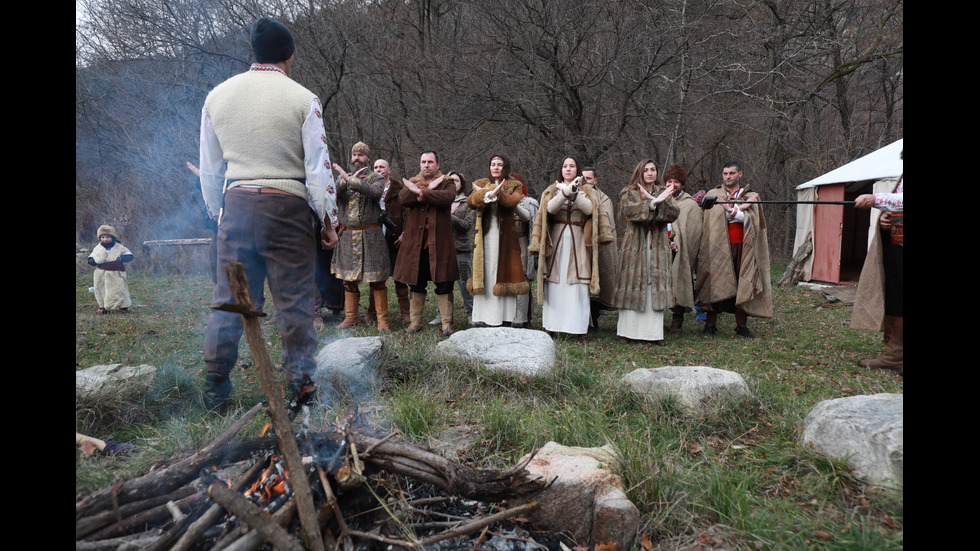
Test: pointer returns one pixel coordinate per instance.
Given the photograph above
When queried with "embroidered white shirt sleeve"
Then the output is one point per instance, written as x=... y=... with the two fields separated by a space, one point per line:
x=319 y=174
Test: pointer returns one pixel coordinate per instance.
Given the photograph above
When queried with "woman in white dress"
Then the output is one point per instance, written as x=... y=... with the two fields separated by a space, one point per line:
x=569 y=226
x=643 y=289
x=498 y=273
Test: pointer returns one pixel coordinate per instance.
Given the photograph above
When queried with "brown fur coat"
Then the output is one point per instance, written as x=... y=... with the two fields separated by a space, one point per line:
x=639 y=267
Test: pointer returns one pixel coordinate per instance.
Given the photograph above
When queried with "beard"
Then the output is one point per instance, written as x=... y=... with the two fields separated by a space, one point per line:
x=357 y=166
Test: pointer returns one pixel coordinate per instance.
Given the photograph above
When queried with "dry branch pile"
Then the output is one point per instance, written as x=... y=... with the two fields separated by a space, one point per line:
x=190 y=505
x=364 y=487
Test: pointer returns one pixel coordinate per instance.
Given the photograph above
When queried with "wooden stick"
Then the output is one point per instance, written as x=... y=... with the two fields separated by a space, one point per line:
x=255 y=517
x=238 y=282
x=480 y=523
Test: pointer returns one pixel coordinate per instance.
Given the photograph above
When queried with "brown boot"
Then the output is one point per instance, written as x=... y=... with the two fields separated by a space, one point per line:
x=351 y=303
x=415 y=313
x=676 y=323
x=403 y=303
x=894 y=356
x=380 y=297
x=446 y=313
x=372 y=311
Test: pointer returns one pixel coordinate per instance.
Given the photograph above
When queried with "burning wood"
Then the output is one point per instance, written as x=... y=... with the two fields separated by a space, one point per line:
x=285 y=500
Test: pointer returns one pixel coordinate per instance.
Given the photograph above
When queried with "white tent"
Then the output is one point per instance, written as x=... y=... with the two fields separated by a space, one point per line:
x=826 y=227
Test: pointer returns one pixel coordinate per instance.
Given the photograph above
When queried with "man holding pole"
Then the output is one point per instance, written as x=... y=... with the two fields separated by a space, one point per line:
x=263 y=133
x=733 y=263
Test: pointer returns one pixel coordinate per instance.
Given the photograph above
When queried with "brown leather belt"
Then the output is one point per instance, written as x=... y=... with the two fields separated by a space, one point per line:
x=262 y=190
x=341 y=228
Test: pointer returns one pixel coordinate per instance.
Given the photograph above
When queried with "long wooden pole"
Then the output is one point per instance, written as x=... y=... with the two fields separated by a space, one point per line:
x=277 y=410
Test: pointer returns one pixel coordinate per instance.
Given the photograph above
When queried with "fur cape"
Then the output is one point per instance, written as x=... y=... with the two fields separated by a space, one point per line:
x=717 y=281
x=510 y=271
x=597 y=233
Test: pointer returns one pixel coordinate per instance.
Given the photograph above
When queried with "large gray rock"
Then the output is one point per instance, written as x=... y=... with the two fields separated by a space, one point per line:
x=347 y=365
x=701 y=389
x=521 y=351
x=586 y=499
x=868 y=429
x=99 y=378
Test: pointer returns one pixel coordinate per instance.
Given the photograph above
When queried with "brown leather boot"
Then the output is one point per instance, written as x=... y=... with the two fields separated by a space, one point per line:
x=351 y=303
x=415 y=313
x=676 y=323
x=403 y=303
x=446 y=313
x=372 y=311
x=894 y=356
x=381 y=307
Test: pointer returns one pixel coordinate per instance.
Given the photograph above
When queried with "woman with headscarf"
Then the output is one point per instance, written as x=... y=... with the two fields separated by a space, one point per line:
x=643 y=290
x=498 y=273
x=567 y=230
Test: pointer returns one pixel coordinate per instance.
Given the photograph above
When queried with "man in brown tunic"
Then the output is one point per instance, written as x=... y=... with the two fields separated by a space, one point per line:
x=427 y=252
x=362 y=254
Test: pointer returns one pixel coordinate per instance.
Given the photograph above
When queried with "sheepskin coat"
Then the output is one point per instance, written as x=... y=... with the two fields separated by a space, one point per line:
x=548 y=229
x=645 y=227
x=111 y=287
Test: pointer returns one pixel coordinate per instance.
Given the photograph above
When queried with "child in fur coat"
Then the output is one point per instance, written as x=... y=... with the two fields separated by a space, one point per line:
x=108 y=257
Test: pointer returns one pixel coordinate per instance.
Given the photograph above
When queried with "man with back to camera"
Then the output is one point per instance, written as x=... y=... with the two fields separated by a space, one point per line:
x=263 y=133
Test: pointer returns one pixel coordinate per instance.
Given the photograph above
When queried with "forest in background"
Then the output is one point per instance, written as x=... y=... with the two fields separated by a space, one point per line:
x=790 y=88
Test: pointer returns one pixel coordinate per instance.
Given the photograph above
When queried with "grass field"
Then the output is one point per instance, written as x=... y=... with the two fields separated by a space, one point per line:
x=739 y=480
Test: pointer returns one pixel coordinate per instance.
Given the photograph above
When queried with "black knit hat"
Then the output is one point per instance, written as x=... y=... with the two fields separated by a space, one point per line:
x=271 y=41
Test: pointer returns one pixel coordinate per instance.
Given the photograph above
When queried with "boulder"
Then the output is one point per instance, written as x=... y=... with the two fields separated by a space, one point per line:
x=348 y=365
x=586 y=499
x=520 y=351
x=868 y=430
x=700 y=389
x=111 y=377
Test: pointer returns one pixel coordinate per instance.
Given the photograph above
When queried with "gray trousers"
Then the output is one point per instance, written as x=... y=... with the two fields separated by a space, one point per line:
x=272 y=235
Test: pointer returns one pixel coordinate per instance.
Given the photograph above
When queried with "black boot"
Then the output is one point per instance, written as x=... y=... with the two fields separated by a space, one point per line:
x=217 y=389
x=743 y=331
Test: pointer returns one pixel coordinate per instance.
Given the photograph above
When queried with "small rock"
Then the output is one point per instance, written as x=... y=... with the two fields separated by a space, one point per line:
x=348 y=365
